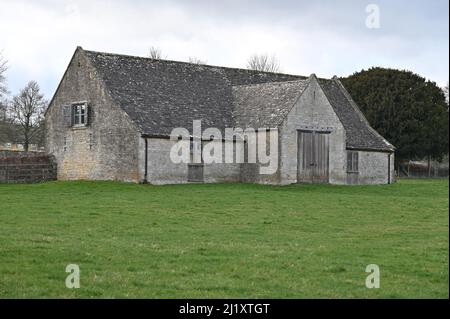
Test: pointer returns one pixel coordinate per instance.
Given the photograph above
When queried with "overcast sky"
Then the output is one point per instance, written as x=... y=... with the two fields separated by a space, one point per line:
x=328 y=38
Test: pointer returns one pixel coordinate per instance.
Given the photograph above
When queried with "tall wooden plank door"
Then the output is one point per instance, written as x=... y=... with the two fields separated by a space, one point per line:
x=305 y=160
x=321 y=147
x=312 y=159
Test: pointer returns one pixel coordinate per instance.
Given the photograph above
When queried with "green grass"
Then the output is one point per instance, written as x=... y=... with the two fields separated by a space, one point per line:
x=224 y=241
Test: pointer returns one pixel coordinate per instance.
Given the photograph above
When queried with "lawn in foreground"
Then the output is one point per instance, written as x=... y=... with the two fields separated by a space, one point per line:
x=223 y=241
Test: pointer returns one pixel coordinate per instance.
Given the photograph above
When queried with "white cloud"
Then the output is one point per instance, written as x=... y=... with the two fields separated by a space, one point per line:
x=39 y=37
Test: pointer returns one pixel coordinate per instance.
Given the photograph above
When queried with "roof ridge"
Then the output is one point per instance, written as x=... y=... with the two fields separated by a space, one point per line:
x=188 y=63
x=274 y=82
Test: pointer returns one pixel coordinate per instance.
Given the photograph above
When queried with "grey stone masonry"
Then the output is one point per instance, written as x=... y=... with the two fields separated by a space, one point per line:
x=104 y=149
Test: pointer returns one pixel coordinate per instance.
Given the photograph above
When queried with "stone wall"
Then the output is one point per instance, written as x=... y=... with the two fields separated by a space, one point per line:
x=225 y=172
x=161 y=170
x=26 y=167
x=373 y=168
x=252 y=172
x=106 y=149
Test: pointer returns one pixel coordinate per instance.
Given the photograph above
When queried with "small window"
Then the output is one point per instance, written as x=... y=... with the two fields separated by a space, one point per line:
x=352 y=162
x=79 y=114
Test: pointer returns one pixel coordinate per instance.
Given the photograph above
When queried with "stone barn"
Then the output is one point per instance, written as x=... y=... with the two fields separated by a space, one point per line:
x=112 y=116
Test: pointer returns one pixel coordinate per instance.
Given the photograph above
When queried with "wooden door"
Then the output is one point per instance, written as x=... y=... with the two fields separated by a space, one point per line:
x=312 y=159
x=195 y=172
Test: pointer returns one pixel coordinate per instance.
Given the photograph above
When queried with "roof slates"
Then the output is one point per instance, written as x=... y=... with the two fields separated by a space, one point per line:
x=160 y=95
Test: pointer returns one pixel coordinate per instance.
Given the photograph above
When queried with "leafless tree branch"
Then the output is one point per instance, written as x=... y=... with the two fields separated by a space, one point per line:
x=156 y=53
x=27 y=111
x=195 y=60
x=263 y=62
x=3 y=68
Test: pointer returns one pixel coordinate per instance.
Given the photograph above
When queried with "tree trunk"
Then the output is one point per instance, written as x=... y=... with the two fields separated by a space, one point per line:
x=409 y=162
x=26 y=140
x=429 y=166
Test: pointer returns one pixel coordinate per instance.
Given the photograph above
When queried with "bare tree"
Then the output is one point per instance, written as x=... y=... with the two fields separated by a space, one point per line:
x=156 y=53
x=263 y=62
x=27 y=111
x=3 y=68
x=2 y=111
x=195 y=60
x=4 y=125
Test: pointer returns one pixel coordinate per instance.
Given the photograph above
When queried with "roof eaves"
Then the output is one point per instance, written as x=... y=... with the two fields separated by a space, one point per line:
x=371 y=149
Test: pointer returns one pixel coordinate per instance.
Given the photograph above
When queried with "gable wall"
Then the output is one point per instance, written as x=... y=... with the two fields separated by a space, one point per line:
x=312 y=111
x=104 y=150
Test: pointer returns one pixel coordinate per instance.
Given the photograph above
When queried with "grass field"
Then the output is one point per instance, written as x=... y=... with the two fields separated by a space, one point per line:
x=223 y=241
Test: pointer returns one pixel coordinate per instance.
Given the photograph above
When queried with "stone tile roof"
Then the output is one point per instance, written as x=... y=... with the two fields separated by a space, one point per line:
x=159 y=95
x=265 y=105
x=360 y=135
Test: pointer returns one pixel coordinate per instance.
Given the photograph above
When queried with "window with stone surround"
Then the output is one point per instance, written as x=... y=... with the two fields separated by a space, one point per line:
x=79 y=114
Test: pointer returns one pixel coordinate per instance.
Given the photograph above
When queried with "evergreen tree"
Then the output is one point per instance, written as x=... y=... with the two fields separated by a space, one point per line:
x=408 y=110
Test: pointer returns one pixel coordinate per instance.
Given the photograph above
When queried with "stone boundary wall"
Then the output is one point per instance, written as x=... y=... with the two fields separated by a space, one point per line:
x=26 y=167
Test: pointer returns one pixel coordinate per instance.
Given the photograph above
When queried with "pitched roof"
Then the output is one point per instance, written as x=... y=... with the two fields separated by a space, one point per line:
x=265 y=105
x=360 y=135
x=159 y=95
